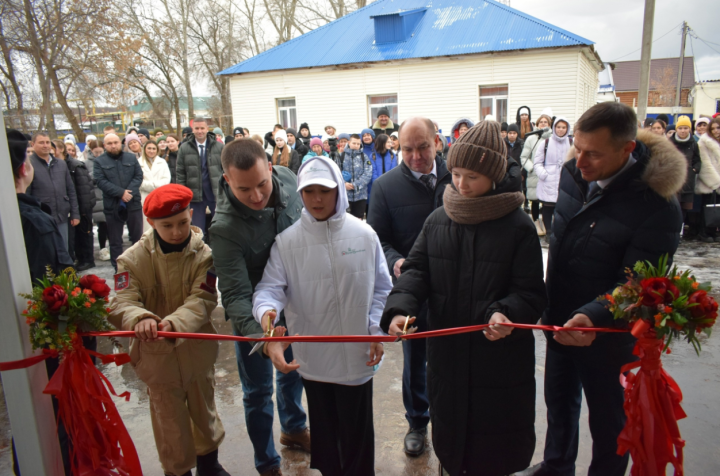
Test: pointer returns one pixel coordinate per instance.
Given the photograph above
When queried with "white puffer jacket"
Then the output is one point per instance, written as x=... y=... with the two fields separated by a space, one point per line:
x=548 y=166
x=331 y=278
x=154 y=177
x=708 y=179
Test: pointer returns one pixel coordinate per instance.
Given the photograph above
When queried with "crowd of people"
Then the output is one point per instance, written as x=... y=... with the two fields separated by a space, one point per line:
x=366 y=234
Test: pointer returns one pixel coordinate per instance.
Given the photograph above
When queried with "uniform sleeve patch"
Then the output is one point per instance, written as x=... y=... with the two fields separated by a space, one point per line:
x=122 y=281
x=369 y=163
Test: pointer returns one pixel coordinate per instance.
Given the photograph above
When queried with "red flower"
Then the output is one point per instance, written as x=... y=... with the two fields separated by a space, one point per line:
x=706 y=308
x=55 y=298
x=96 y=285
x=656 y=291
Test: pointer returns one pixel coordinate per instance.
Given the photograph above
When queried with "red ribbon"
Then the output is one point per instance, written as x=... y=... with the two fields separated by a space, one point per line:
x=361 y=338
x=29 y=362
x=652 y=406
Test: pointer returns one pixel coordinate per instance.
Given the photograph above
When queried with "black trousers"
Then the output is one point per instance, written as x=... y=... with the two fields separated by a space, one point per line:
x=115 y=232
x=83 y=240
x=357 y=209
x=102 y=234
x=535 y=209
x=548 y=209
x=343 y=435
x=567 y=376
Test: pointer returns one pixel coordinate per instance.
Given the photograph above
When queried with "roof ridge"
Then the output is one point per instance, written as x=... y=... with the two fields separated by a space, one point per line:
x=326 y=25
x=686 y=57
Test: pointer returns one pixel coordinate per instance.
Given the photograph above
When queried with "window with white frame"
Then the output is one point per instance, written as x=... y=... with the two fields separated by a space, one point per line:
x=388 y=101
x=494 y=100
x=287 y=113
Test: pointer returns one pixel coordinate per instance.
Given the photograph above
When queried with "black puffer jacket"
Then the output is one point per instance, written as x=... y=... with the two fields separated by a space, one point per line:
x=172 y=164
x=691 y=151
x=482 y=393
x=637 y=217
x=189 y=168
x=84 y=186
x=399 y=206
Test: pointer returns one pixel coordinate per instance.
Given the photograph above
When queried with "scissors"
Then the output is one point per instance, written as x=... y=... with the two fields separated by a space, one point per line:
x=270 y=332
x=405 y=330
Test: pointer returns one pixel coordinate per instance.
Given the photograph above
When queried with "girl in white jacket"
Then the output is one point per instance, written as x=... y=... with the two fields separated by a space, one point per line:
x=549 y=160
x=156 y=173
x=328 y=273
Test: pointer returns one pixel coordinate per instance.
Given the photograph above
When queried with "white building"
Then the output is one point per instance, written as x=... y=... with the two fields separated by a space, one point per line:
x=606 y=86
x=457 y=58
x=705 y=97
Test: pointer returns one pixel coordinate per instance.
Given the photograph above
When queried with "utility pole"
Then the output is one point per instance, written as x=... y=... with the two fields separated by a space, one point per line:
x=645 y=57
x=680 y=71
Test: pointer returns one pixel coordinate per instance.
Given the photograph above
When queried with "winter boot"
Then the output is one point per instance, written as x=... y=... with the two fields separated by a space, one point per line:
x=540 y=227
x=208 y=465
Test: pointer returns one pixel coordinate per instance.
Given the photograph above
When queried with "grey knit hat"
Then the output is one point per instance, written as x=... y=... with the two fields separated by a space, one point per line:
x=481 y=149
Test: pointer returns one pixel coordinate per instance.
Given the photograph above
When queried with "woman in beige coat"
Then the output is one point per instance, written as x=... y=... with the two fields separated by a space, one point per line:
x=708 y=180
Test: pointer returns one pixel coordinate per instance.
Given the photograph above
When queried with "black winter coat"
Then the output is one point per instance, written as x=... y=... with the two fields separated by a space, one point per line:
x=114 y=176
x=637 y=217
x=691 y=151
x=515 y=152
x=43 y=243
x=189 y=168
x=98 y=215
x=53 y=186
x=399 y=206
x=84 y=186
x=482 y=393
x=301 y=148
x=172 y=164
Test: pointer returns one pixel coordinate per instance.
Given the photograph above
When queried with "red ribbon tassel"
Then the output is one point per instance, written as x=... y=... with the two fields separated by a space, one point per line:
x=101 y=445
x=652 y=406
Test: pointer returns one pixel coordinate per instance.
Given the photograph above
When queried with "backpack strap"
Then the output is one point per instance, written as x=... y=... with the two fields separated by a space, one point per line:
x=546 y=146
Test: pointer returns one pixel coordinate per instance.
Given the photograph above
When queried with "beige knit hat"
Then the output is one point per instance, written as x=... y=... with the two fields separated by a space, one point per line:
x=481 y=149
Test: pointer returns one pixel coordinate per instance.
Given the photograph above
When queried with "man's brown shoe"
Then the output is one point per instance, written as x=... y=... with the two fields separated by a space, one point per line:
x=272 y=472
x=299 y=440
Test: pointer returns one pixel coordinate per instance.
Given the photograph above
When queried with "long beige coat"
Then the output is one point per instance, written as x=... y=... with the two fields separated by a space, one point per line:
x=179 y=373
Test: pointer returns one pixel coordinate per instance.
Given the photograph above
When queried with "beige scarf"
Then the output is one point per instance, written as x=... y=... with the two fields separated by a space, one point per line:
x=471 y=211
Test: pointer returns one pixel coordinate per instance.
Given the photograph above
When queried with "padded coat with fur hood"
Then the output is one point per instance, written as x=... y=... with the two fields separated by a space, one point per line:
x=708 y=179
x=636 y=217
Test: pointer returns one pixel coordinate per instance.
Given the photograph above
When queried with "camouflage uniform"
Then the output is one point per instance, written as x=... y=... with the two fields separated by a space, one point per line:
x=360 y=168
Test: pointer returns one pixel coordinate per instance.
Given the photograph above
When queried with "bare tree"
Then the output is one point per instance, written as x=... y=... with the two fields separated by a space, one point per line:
x=663 y=88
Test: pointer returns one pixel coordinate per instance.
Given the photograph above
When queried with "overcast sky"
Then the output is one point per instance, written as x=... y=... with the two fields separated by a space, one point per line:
x=616 y=27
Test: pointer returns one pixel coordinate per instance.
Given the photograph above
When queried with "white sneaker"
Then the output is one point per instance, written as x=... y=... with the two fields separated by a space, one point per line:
x=105 y=254
x=540 y=227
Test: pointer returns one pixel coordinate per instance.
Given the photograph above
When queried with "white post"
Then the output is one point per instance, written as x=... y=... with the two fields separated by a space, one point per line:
x=31 y=414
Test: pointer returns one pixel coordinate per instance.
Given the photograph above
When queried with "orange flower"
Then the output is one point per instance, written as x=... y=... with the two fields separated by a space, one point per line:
x=695 y=285
x=668 y=310
x=658 y=319
x=87 y=304
x=609 y=298
x=107 y=309
x=676 y=278
x=77 y=289
x=25 y=312
x=88 y=291
x=29 y=303
x=92 y=300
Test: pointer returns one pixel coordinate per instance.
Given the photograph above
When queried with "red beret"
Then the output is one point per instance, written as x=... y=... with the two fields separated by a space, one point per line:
x=167 y=201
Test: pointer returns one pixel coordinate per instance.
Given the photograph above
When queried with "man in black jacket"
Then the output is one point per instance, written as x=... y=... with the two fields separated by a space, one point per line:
x=402 y=199
x=43 y=242
x=296 y=144
x=617 y=205
x=119 y=175
x=53 y=186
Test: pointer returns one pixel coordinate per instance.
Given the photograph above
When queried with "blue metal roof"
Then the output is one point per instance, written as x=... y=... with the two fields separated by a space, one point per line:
x=424 y=29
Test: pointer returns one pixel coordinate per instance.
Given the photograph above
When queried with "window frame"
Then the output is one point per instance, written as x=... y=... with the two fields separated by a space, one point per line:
x=279 y=109
x=495 y=98
x=371 y=118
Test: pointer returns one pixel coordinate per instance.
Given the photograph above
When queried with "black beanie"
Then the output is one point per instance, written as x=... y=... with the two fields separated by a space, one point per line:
x=229 y=139
x=513 y=128
x=187 y=130
x=383 y=112
x=292 y=131
x=504 y=127
x=304 y=125
x=18 y=148
x=664 y=118
x=144 y=132
x=238 y=130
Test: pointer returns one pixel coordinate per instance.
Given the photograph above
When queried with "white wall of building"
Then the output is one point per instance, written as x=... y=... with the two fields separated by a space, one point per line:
x=443 y=89
x=705 y=98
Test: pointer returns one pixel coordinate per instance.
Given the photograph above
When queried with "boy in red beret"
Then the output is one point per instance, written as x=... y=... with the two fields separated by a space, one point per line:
x=165 y=283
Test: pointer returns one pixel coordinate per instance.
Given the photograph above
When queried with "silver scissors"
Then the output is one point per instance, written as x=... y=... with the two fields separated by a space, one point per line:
x=270 y=332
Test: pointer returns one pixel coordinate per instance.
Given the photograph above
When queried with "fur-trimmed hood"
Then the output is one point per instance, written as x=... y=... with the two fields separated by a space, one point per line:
x=666 y=168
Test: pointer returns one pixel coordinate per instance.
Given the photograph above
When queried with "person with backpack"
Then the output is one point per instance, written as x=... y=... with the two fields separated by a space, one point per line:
x=548 y=163
x=357 y=171
x=527 y=157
